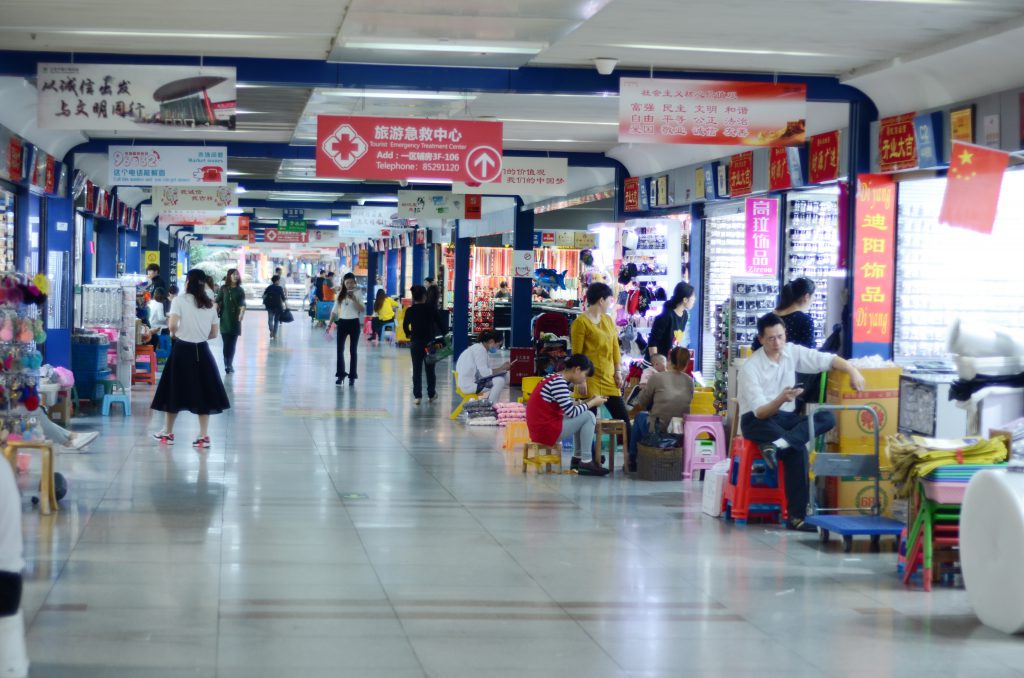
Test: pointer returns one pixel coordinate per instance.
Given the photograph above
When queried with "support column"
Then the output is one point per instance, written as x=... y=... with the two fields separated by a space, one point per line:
x=522 y=288
x=404 y=264
x=371 y=275
x=106 y=248
x=87 y=254
x=460 y=305
x=417 y=261
x=392 y=276
x=698 y=313
x=59 y=241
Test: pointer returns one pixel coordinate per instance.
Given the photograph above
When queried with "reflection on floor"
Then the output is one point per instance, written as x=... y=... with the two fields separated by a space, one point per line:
x=347 y=531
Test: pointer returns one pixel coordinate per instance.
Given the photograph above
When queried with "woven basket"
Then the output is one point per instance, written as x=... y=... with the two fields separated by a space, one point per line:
x=656 y=463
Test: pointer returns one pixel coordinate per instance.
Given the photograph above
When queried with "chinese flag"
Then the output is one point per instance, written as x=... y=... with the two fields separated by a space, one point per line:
x=972 y=187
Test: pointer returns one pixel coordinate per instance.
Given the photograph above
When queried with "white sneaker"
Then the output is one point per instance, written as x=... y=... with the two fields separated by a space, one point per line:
x=80 y=440
x=13 y=653
x=417 y=401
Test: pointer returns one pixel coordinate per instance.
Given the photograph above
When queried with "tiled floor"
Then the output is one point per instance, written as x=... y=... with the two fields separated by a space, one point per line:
x=347 y=532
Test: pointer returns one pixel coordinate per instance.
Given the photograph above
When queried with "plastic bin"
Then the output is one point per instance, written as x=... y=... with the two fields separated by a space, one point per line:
x=655 y=463
x=714 y=487
x=88 y=357
x=90 y=384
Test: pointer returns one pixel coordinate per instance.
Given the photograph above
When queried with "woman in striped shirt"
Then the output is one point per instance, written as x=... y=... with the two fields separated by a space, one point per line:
x=552 y=414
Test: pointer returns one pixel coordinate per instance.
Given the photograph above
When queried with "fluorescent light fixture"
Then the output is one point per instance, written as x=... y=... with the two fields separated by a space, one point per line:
x=383 y=198
x=555 y=141
x=461 y=47
x=328 y=222
x=234 y=210
x=722 y=50
x=559 y=122
x=236 y=173
x=239 y=190
x=440 y=182
x=160 y=34
x=304 y=196
x=385 y=94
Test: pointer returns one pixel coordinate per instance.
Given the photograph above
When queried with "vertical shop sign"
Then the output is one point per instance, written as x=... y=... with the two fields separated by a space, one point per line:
x=973 y=185
x=631 y=194
x=897 y=147
x=926 y=139
x=824 y=157
x=698 y=183
x=741 y=174
x=15 y=161
x=874 y=258
x=961 y=125
x=762 y=221
x=709 y=182
x=474 y=206
x=645 y=202
x=779 y=178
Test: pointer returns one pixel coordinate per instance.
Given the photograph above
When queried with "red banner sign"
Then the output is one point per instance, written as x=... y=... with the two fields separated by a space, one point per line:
x=50 y=181
x=356 y=147
x=741 y=174
x=276 y=236
x=897 y=146
x=779 y=178
x=547 y=238
x=631 y=197
x=14 y=159
x=825 y=157
x=474 y=206
x=874 y=258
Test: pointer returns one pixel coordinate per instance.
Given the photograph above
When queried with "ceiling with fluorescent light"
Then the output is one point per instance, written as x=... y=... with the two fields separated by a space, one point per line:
x=906 y=53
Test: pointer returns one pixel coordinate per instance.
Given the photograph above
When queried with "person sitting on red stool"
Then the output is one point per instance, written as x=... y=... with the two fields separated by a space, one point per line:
x=768 y=414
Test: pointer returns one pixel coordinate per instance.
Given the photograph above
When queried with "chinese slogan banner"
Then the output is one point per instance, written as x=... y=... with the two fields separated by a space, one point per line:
x=897 y=147
x=524 y=176
x=358 y=147
x=779 y=178
x=973 y=184
x=124 y=97
x=824 y=157
x=431 y=205
x=168 y=198
x=874 y=259
x=663 y=111
x=741 y=174
x=167 y=165
x=762 y=236
x=631 y=199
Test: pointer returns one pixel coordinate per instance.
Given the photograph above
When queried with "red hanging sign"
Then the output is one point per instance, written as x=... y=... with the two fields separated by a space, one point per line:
x=825 y=157
x=741 y=174
x=973 y=184
x=874 y=259
x=50 y=181
x=474 y=206
x=90 y=197
x=897 y=145
x=631 y=194
x=357 y=147
x=779 y=178
x=272 y=235
x=15 y=159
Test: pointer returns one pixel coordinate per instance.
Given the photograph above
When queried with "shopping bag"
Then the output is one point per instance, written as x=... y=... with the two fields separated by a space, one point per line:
x=286 y=316
x=659 y=439
x=439 y=349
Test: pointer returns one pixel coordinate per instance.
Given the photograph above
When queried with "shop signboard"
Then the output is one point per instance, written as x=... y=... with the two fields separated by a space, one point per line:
x=231 y=224
x=631 y=194
x=273 y=235
x=292 y=225
x=432 y=205
x=524 y=176
x=741 y=174
x=584 y=240
x=537 y=238
x=698 y=183
x=874 y=259
x=897 y=147
x=926 y=138
x=961 y=124
x=723 y=180
x=565 y=239
x=645 y=199
x=762 y=236
x=824 y=157
x=652 y=191
x=178 y=198
x=318 y=237
x=670 y=111
x=360 y=147
x=547 y=238
x=368 y=222
x=192 y=218
x=709 y=182
x=167 y=165
x=779 y=178
x=151 y=257
x=12 y=162
x=135 y=98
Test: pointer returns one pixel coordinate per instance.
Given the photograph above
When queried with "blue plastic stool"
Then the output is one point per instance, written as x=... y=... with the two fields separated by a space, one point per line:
x=385 y=327
x=115 y=397
x=163 y=350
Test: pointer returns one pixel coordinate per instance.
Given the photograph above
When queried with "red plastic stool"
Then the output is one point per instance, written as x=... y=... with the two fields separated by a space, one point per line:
x=741 y=498
x=694 y=425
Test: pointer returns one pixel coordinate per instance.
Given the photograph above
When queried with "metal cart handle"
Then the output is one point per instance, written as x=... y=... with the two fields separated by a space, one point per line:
x=876 y=509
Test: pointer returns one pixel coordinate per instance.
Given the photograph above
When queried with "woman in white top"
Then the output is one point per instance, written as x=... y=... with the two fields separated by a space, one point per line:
x=13 y=654
x=157 y=311
x=190 y=380
x=348 y=313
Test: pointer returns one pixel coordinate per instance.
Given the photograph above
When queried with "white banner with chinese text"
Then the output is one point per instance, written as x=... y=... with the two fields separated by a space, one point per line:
x=524 y=176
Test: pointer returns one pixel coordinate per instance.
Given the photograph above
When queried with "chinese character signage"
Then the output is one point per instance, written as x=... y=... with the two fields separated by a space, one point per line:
x=824 y=157
x=167 y=165
x=925 y=137
x=292 y=225
x=779 y=178
x=357 y=147
x=874 y=259
x=273 y=235
x=961 y=125
x=631 y=197
x=135 y=98
x=193 y=218
x=663 y=111
x=897 y=146
x=741 y=174
x=584 y=240
x=176 y=198
x=524 y=176
x=432 y=205
x=228 y=225
x=368 y=222
x=762 y=219
x=13 y=166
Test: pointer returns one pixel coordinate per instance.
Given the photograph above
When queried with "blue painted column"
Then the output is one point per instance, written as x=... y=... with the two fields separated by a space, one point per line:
x=27 y=214
x=87 y=253
x=371 y=276
x=698 y=313
x=392 y=275
x=460 y=304
x=106 y=248
x=59 y=239
x=403 y=266
x=522 y=288
x=417 y=262
x=132 y=252
x=431 y=253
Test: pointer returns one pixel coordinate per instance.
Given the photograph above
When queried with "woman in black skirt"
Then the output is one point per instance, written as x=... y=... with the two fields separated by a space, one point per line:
x=190 y=380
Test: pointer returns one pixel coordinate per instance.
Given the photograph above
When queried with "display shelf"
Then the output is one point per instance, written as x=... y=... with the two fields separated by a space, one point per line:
x=812 y=249
x=7 y=228
x=751 y=298
x=724 y=257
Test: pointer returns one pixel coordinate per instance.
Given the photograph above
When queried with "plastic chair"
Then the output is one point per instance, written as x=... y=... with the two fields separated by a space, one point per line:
x=466 y=397
x=748 y=494
x=529 y=384
x=695 y=425
x=552 y=454
x=163 y=351
x=389 y=325
x=47 y=491
x=516 y=434
x=115 y=397
x=145 y=354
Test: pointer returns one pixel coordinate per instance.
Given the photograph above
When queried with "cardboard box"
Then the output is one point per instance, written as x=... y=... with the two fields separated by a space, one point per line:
x=859 y=493
x=853 y=433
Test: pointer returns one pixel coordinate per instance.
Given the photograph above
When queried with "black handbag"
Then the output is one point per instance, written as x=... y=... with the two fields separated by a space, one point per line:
x=286 y=316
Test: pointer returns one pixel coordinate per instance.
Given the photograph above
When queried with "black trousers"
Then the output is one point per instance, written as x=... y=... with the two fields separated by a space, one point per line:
x=617 y=408
x=274 y=320
x=418 y=351
x=792 y=428
x=230 y=340
x=10 y=593
x=348 y=329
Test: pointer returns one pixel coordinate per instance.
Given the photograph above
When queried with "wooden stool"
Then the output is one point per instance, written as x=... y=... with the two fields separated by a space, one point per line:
x=613 y=428
x=47 y=492
x=552 y=455
x=516 y=434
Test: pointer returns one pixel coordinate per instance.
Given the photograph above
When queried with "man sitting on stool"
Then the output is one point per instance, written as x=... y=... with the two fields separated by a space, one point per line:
x=767 y=385
x=475 y=372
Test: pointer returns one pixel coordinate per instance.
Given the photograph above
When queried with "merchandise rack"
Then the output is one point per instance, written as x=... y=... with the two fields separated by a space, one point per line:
x=724 y=257
x=812 y=249
x=658 y=256
x=752 y=297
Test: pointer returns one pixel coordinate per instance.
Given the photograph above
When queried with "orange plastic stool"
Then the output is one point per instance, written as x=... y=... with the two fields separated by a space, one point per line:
x=145 y=353
x=741 y=498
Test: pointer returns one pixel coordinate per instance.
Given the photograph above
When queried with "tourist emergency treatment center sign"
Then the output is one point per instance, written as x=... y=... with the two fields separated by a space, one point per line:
x=359 y=147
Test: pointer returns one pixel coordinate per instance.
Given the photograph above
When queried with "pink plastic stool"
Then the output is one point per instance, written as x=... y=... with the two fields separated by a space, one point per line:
x=694 y=425
x=367 y=326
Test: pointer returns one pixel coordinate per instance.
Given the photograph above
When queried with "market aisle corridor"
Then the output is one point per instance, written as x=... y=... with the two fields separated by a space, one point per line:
x=344 y=532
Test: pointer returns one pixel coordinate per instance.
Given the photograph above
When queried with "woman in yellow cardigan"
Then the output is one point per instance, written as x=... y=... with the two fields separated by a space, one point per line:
x=594 y=335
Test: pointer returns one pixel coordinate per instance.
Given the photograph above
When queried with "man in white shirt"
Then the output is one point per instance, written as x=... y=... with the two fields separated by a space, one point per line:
x=767 y=385
x=474 y=368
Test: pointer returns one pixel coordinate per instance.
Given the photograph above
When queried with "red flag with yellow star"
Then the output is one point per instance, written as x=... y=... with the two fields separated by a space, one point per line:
x=972 y=187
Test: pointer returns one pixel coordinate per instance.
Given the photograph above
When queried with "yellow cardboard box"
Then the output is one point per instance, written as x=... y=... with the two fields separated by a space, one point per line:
x=859 y=493
x=853 y=433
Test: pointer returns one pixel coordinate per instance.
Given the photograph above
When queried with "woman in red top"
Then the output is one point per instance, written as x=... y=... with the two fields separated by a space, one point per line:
x=552 y=414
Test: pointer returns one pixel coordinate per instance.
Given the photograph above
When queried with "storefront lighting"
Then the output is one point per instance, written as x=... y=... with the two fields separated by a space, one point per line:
x=234 y=210
x=328 y=222
x=460 y=47
x=239 y=190
x=167 y=34
x=440 y=182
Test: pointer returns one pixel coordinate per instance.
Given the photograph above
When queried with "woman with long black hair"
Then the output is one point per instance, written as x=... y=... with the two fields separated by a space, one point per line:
x=231 y=308
x=669 y=327
x=348 y=313
x=190 y=380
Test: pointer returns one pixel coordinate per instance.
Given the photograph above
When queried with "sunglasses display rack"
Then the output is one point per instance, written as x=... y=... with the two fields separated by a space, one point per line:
x=752 y=297
x=724 y=257
x=721 y=357
x=812 y=249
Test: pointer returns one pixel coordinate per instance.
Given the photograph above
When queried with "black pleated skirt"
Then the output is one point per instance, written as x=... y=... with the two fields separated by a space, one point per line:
x=191 y=381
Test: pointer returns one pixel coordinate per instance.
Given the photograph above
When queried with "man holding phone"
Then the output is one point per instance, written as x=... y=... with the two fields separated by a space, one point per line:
x=767 y=410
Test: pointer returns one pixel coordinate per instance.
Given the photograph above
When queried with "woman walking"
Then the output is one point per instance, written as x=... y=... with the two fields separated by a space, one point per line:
x=275 y=301
x=348 y=313
x=421 y=325
x=594 y=335
x=190 y=380
x=231 y=309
